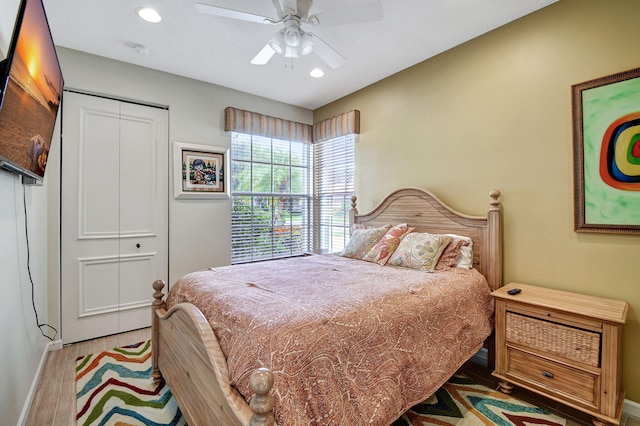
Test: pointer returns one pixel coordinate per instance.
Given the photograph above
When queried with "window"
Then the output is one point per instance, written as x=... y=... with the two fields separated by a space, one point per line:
x=333 y=175
x=274 y=211
x=271 y=198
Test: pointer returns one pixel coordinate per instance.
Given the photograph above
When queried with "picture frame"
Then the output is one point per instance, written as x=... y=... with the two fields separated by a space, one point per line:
x=200 y=171
x=606 y=147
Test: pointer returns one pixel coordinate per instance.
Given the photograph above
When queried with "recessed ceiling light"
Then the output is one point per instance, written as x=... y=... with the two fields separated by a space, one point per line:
x=149 y=14
x=316 y=73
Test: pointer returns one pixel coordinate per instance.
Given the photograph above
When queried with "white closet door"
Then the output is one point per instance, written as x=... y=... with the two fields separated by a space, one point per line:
x=114 y=214
x=143 y=210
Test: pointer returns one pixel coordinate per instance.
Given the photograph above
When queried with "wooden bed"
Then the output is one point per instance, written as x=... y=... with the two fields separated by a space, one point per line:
x=188 y=355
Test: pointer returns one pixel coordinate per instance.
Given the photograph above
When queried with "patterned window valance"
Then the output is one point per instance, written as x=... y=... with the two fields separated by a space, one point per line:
x=340 y=125
x=241 y=121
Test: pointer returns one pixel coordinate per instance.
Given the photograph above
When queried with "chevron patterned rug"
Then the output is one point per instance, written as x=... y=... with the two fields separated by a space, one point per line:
x=115 y=388
x=462 y=402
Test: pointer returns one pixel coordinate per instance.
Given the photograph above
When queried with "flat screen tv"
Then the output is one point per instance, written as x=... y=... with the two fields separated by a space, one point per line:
x=30 y=93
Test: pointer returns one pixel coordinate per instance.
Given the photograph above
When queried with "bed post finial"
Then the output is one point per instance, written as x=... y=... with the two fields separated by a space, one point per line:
x=158 y=303
x=353 y=212
x=158 y=285
x=495 y=203
x=261 y=404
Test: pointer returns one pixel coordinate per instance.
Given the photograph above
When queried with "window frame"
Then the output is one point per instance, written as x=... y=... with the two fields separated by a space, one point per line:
x=298 y=232
x=337 y=157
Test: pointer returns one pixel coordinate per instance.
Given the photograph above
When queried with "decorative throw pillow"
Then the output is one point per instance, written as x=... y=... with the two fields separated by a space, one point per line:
x=466 y=257
x=362 y=240
x=465 y=260
x=450 y=255
x=458 y=254
x=361 y=226
x=384 y=248
x=420 y=251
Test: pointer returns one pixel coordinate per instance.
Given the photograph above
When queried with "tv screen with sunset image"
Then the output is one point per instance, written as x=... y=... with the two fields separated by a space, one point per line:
x=32 y=94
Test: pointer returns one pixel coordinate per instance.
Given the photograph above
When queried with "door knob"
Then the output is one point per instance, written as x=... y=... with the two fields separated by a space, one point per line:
x=138 y=245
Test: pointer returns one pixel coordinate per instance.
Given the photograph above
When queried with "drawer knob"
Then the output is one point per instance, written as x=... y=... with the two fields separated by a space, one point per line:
x=547 y=374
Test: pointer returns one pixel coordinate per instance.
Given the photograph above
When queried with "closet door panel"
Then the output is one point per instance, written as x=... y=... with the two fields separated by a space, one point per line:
x=138 y=172
x=98 y=165
x=143 y=210
x=98 y=285
x=135 y=271
x=90 y=220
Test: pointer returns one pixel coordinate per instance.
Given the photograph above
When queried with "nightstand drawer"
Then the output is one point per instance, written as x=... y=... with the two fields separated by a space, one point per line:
x=545 y=314
x=567 y=342
x=550 y=375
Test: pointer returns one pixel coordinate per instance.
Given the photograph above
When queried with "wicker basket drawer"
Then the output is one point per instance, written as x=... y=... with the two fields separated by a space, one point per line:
x=566 y=342
x=553 y=376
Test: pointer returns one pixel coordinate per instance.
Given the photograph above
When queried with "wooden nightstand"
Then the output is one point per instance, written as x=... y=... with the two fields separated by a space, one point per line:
x=562 y=345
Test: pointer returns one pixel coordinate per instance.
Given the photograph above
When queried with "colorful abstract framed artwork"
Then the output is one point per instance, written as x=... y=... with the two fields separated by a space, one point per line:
x=199 y=171
x=606 y=144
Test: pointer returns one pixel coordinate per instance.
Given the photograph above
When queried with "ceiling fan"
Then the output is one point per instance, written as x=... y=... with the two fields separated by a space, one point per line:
x=292 y=41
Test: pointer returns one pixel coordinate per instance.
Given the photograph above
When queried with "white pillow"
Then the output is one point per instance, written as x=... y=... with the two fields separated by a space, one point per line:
x=465 y=260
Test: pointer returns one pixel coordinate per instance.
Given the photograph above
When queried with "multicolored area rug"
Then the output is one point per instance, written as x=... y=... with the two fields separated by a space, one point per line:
x=115 y=388
x=462 y=402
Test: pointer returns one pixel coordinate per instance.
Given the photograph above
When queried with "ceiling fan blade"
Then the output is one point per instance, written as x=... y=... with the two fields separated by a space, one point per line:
x=263 y=56
x=327 y=53
x=364 y=12
x=279 y=11
x=233 y=14
x=289 y=6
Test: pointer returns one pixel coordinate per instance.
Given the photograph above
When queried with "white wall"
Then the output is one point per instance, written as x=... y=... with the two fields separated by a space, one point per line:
x=22 y=345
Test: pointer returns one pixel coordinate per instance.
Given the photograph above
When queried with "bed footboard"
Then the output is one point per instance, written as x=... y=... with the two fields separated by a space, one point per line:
x=187 y=355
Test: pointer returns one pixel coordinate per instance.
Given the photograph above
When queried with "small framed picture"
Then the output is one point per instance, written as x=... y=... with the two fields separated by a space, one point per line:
x=199 y=171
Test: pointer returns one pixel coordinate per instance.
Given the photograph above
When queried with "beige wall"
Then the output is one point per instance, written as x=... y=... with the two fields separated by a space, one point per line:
x=496 y=113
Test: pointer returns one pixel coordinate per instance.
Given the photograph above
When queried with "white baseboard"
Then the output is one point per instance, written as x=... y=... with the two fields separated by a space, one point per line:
x=631 y=408
x=34 y=384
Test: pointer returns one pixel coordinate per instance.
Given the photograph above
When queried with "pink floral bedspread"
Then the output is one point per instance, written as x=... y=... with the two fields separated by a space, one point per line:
x=349 y=342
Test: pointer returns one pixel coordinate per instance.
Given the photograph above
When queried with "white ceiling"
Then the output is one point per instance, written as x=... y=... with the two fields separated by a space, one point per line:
x=218 y=50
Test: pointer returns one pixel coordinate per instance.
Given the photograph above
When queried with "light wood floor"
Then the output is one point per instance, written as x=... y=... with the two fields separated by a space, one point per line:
x=54 y=402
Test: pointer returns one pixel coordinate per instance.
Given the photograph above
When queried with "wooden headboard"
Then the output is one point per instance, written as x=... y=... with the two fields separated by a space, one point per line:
x=424 y=211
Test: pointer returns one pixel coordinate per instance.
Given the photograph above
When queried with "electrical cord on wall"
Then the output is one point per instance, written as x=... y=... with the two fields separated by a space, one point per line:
x=33 y=300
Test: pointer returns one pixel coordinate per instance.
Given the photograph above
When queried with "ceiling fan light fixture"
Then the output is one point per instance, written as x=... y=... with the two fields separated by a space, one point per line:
x=292 y=36
x=316 y=73
x=277 y=43
x=307 y=45
x=292 y=52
